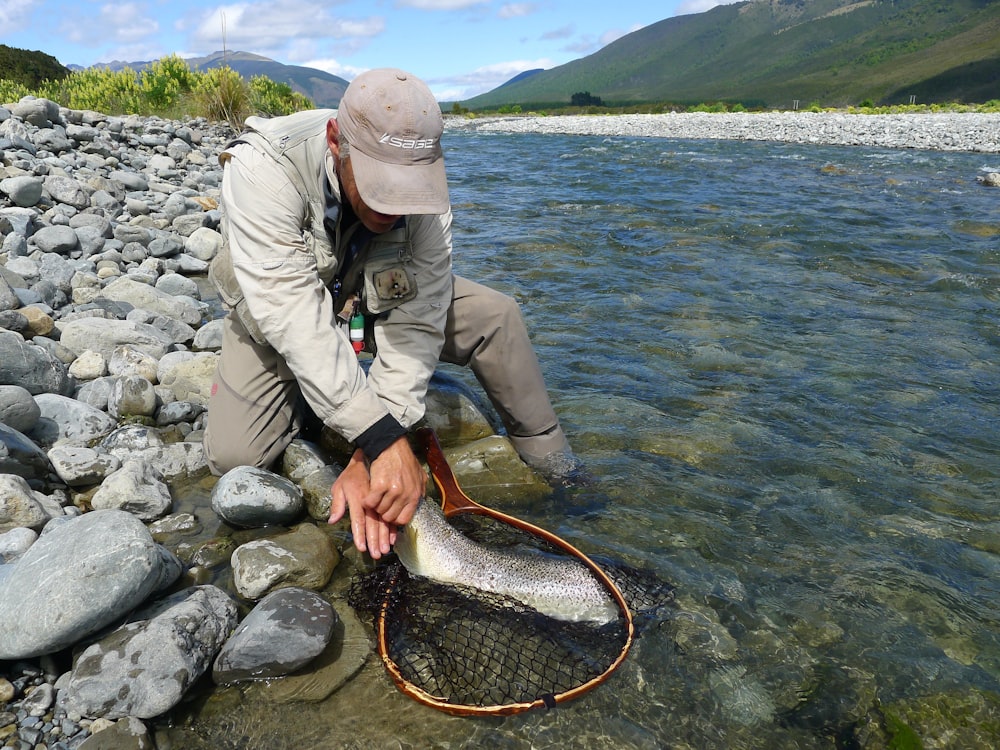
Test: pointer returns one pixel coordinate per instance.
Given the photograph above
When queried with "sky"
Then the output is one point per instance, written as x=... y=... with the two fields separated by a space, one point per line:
x=461 y=48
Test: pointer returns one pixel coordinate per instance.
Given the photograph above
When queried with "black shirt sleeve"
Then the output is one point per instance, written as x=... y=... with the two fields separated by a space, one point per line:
x=380 y=436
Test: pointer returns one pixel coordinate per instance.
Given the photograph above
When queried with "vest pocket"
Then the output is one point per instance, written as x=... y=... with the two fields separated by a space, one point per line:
x=389 y=278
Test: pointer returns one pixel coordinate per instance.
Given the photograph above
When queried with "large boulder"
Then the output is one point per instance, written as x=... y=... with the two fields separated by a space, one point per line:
x=81 y=575
x=145 y=667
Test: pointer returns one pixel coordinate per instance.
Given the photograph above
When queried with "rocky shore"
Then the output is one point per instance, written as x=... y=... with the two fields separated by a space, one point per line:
x=119 y=592
x=939 y=131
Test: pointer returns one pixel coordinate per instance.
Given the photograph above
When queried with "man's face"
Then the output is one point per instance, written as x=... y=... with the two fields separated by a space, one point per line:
x=372 y=219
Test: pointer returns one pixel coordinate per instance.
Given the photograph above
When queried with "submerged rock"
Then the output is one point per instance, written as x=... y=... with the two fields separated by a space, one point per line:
x=303 y=557
x=286 y=630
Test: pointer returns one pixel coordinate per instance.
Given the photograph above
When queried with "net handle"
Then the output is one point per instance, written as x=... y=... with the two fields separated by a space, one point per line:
x=455 y=501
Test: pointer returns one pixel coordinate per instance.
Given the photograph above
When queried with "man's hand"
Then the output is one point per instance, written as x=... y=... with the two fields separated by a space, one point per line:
x=380 y=497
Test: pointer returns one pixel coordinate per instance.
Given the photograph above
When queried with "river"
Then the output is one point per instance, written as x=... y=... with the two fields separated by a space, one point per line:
x=780 y=363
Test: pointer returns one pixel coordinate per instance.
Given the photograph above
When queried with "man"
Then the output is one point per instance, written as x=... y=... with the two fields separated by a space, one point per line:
x=336 y=221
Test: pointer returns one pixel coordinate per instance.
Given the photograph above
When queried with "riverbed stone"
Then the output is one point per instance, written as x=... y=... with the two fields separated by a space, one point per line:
x=15 y=543
x=247 y=496
x=32 y=366
x=209 y=336
x=56 y=239
x=304 y=557
x=38 y=111
x=95 y=392
x=145 y=667
x=190 y=378
x=90 y=365
x=67 y=420
x=23 y=190
x=19 y=505
x=81 y=466
x=21 y=456
x=128 y=733
x=18 y=409
x=9 y=300
x=103 y=335
x=173 y=460
x=137 y=487
x=82 y=574
x=39 y=323
x=286 y=630
x=128 y=360
x=132 y=396
x=349 y=648
x=126 y=289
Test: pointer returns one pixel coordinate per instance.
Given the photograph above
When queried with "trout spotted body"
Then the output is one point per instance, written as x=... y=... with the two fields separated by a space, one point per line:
x=559 y=587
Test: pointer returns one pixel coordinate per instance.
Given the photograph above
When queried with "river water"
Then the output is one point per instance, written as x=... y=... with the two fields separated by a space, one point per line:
x=780 y=362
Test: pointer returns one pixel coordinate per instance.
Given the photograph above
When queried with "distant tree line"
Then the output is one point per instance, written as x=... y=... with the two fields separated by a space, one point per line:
x=585 y=99
x=29 y=68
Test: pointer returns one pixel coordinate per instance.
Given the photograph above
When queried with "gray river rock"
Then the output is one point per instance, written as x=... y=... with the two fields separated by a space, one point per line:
x=248 y=496
x=144 y=668
x=82 y=574
x=286 y=630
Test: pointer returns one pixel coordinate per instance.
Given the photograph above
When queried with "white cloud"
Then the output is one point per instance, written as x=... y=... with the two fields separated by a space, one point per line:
x=124 y=32
x=335 y=67
x=14 y=15
x=128 y=22
x=565 y=32
x=483 y=79
x=516 y=10
x=273 y=23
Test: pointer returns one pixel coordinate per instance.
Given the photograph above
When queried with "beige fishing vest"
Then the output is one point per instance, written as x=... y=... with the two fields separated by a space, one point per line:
x=298 y=143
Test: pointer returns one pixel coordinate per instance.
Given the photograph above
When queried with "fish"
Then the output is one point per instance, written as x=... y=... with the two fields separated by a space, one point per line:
x=559 y=587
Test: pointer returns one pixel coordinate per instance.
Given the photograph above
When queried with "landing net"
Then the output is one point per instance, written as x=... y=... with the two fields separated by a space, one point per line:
x=467 y=651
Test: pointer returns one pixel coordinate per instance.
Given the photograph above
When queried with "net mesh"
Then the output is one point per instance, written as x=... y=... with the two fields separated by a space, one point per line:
x=467 y=647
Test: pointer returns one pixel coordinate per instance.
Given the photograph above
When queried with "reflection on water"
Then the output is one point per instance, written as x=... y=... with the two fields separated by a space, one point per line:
x=781 y=363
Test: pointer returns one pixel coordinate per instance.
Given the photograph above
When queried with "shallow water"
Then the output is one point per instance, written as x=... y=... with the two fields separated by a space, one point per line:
x=781 y=364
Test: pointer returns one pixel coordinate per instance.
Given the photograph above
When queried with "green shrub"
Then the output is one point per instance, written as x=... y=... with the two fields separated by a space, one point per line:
x=222 y=95
x=165 y=83
x=168 y=88
x=101 y=89
x=12 y=91
x=271 y=98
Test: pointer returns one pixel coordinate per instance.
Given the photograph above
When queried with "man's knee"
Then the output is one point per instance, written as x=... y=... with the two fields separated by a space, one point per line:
x=223 y=455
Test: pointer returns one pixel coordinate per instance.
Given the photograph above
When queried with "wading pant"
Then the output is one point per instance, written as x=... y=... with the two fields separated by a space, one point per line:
x=253 y=414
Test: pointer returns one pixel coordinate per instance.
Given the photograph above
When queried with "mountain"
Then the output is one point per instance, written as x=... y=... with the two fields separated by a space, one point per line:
x=772 y=52
x=323 y=89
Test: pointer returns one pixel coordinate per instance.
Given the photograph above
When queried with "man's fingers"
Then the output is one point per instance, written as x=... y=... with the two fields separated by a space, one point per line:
x=378 y=532
x=338 y=504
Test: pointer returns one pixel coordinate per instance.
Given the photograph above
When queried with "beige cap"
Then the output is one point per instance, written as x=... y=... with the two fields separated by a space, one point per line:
x=393 y=124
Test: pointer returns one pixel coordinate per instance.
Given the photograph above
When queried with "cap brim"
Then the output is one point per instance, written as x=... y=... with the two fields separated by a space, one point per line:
x=398 y=190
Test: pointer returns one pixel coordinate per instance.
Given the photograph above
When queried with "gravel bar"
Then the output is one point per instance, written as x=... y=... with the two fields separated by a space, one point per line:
x=952 y=131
